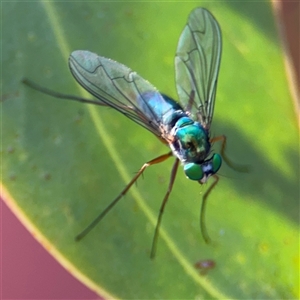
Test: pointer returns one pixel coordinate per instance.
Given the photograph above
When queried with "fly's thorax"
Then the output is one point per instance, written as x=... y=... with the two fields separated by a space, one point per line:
x=191 y=142
x=170 y=119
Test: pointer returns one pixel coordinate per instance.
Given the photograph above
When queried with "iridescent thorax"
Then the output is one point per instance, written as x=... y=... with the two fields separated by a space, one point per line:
x=187 y=139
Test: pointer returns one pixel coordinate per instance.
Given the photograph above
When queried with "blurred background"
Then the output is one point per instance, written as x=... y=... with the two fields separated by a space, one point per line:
x=32 y=273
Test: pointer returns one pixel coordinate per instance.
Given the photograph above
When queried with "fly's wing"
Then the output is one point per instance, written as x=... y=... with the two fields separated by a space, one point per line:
x=197 y=65
x=117 y=86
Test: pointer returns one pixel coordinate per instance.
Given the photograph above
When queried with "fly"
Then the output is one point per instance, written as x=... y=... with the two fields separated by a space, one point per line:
x=184 y=127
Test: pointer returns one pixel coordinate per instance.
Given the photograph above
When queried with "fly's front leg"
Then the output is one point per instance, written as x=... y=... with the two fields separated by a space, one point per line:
x=202 y=210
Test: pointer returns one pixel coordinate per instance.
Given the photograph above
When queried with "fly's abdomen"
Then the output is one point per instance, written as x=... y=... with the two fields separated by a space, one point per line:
x=164 y=110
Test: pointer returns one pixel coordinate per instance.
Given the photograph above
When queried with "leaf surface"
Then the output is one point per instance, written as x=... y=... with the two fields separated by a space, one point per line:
x=63 y=162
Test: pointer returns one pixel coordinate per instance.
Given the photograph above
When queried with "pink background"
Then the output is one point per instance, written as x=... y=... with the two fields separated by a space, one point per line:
x=32 y=273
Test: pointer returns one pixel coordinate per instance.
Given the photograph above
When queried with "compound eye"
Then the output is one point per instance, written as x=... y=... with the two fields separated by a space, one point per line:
x=216 y=163
x=193 y=171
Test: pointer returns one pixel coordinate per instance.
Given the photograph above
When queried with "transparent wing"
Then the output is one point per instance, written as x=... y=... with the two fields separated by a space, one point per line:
x=117 y=86
x=197 y=65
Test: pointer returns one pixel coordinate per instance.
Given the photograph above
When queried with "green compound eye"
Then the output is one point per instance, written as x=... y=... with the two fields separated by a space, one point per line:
x=216 y=162
x=193 y=171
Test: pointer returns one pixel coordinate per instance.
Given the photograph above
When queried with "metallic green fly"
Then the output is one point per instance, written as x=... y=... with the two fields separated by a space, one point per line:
x=184 y=127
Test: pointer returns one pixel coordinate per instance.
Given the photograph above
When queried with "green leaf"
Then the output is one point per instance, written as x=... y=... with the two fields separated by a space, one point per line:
x=63 y=162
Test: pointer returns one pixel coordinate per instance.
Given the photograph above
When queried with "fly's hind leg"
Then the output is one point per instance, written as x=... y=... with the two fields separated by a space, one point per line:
x=120 y=196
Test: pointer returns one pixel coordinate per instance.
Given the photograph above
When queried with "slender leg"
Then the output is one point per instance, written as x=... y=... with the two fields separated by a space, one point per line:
x=60 y=95
x=191 y=101
x=202 y=211
x=162 y=207
x=236 y=167
x=125 y=190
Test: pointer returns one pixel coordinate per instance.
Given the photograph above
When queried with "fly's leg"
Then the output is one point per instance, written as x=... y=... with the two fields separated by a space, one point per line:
x=202 y=210
x=125 y=190
x=236 y=167
x=59 y=95
x=191 y=101
x=162 y=207
x=239 y=168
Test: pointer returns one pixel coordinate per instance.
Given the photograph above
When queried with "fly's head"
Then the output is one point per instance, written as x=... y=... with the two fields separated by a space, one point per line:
x=191 y=145
x=202 y=171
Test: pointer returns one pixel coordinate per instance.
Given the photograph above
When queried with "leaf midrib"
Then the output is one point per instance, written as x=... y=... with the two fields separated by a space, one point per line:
x=109 y=145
